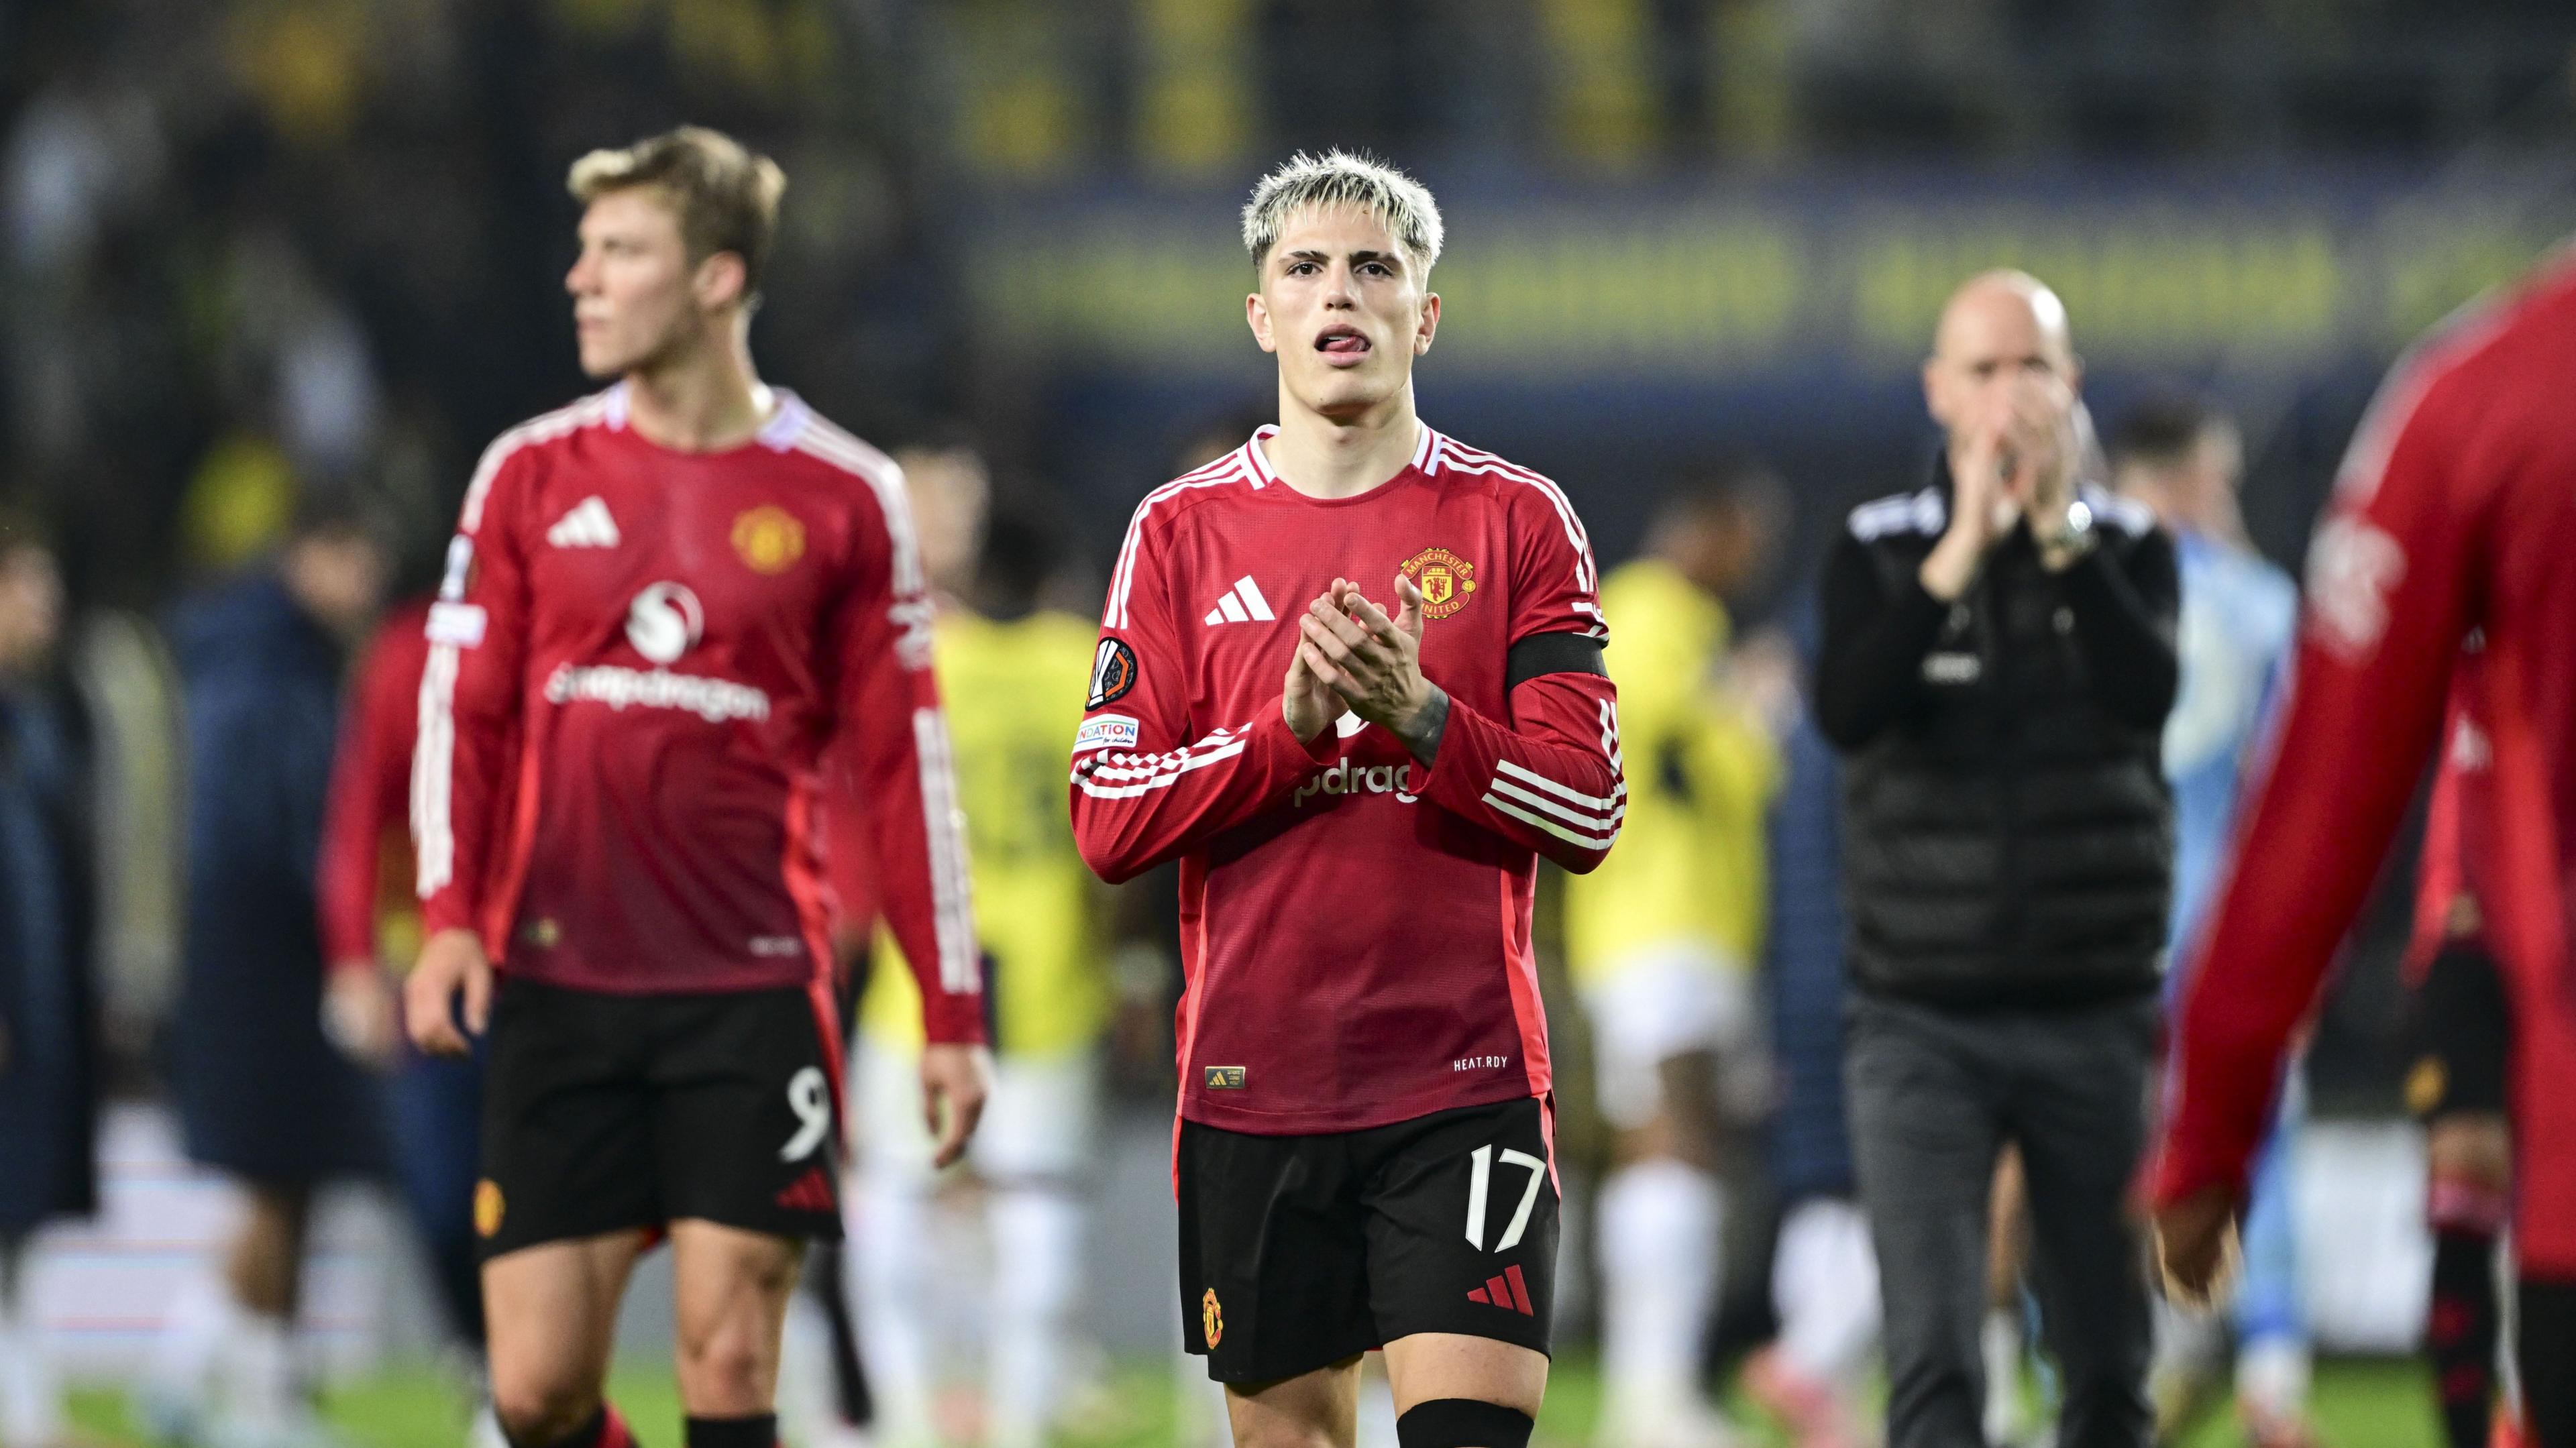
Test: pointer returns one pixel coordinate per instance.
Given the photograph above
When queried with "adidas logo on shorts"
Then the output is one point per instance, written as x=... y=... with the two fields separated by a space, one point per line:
x=1509 y=1290
x=811 y=1192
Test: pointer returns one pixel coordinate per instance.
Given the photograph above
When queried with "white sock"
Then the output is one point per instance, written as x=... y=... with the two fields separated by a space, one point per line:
x=1659 y=1243
x=804 y=1394
x=483 y=1430
x=1377 y=1406
x=2188 y=1346
x=259 y=1370
x=1199 y=1417
x=1824 y=1282
x=2002 y=1340
x=31 y=1406
x=1036 y=1235
x=890 y=1257
x=200 y=1321
x=2272 y=1377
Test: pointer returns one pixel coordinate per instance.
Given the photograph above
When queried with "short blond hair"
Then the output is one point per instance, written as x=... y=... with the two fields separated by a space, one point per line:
x=1339 y=178
x=726 y=194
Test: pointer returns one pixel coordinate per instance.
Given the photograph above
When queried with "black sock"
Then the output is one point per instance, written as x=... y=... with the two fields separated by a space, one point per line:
x=849 y=1373
x=1462 y=1423
x=2545 y=1321
x=2460 y=1333
x=760 y=1430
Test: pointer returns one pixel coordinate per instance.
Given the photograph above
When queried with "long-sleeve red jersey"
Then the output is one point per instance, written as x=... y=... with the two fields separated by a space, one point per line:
x=2459 y=824
x=366 y=865
x=2455 y=510
x=1355 y=926
x=691 y=653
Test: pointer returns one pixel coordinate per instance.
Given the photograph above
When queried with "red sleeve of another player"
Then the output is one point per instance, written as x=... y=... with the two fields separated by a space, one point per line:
x=853 y=877
x=1548 y=777
x=1149 y=782
x=2386 y=608
x=469 y=703
x=2455 y=824
x=901 y=787
x=369 y=771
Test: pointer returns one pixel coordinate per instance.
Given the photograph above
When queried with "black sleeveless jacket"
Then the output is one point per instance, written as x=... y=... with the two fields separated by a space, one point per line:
x=2007 y=832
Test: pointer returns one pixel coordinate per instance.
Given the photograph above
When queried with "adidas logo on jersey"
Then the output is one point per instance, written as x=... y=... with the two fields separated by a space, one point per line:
x=1241 y=604
x=586 y=526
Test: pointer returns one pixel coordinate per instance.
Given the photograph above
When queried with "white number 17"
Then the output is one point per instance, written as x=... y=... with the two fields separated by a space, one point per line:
x=1479 y=1179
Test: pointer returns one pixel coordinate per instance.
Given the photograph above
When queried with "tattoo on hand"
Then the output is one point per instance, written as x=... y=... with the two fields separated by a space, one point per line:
x=1423 y=737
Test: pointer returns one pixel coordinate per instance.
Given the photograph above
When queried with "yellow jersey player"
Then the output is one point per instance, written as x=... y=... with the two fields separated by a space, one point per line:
x=1661 y=941
x=1015 y=676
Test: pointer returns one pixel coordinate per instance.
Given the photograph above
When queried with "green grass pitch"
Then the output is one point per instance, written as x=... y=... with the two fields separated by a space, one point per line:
x=2359 y=1404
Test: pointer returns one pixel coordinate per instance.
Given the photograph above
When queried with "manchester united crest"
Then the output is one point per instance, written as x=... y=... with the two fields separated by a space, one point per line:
x=769 y=538
x=2426 y=1085
x=1446 y=580
x=1211 y=1317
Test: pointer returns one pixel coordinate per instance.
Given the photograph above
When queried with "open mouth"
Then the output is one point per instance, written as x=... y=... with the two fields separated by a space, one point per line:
x=1341 y=340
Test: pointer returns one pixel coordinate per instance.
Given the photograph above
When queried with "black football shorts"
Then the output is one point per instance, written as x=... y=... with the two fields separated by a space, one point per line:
x=2458 y=1030
x=604 y=1112
x=1300 y=1251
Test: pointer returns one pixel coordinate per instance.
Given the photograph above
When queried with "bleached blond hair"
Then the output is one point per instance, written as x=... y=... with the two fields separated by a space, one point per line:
x=726 y=194
x=1338 y=178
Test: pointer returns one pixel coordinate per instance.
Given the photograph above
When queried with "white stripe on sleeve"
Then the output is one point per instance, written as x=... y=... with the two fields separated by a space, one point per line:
x=1583 y=818
x=1589 y=842
x=433 y=773
x=1618 y=794
x=952 y=911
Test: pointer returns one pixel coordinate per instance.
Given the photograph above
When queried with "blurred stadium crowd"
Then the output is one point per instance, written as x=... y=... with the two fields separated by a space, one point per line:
x=272 y=270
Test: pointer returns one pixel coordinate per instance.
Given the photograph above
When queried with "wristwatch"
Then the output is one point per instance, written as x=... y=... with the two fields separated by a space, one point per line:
x=2073 y=537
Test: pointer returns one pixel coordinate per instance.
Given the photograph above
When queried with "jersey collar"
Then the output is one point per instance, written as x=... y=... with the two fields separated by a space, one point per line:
x=1426 y=453
x=786 y=420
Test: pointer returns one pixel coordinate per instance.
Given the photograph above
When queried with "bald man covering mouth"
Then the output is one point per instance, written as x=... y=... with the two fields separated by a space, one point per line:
x=1998 y=662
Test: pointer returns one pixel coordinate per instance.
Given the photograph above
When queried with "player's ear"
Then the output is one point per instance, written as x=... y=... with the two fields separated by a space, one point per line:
x=1932 y=391
x=1430 y=323
x=720 y=280
x=1256 y=313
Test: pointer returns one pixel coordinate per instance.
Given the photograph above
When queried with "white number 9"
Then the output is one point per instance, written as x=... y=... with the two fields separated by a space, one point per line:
x=812 y=1102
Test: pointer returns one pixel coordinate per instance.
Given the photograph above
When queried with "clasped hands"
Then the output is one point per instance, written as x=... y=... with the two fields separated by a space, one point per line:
x=1352 y=656
x=2014 y=458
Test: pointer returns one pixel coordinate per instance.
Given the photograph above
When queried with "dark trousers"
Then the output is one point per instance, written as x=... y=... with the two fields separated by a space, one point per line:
x=436 y=1107
x=1934 y=1095
x=2545 y=1312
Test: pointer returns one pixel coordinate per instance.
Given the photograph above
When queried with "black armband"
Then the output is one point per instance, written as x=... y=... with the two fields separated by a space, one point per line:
x=1552 y=653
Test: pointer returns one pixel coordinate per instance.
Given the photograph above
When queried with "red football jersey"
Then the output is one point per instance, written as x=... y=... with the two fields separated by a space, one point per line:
x=2455 y=510
x=691 y=651
x=365 y=847
x=1355 y=927
x=2451 y=887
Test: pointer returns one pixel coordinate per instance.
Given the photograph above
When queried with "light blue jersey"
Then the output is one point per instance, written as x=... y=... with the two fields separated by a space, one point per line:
x=2238 y=613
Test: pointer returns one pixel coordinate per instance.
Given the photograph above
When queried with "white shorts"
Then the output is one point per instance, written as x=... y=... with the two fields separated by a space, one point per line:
x=1039 y=1123
x=1667 y=1001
